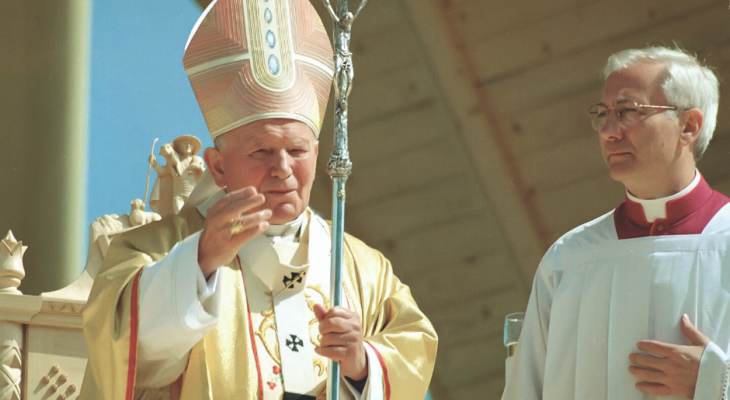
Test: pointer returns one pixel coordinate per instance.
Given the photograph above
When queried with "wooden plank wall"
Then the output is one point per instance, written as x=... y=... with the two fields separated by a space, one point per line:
x=415 y=196
x=544 y=72
x=539 y=63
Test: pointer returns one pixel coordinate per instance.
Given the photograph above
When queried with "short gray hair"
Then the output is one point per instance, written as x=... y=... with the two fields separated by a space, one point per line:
x=688 y=84
x=220 y=142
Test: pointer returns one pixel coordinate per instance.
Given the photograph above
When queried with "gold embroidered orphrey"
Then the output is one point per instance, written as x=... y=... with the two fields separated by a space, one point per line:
x=269 y=323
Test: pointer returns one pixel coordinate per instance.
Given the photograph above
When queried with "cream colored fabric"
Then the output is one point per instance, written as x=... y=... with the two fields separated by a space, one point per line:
x=177 y=308
x=398 y=332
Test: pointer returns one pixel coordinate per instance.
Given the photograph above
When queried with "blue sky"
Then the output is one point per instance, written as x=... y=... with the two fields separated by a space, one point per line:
x=138 y=92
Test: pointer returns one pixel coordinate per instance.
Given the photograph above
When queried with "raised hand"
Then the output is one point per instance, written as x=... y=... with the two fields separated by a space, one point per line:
x=219 y=243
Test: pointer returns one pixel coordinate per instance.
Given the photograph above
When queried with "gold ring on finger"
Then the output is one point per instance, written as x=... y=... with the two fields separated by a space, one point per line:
x=237 y=225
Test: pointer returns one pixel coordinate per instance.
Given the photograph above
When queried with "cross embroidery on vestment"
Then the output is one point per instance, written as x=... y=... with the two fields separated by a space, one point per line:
x=294 y=342
x=289 y=281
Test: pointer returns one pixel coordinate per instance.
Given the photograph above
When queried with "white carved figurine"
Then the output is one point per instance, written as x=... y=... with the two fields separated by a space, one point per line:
x=177 y=178
x=138 y=216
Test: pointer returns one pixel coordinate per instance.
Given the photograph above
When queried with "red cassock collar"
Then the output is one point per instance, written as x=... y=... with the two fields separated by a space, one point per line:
x=687 y=215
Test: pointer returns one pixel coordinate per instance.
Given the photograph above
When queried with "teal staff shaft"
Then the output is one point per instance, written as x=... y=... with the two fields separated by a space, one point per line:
x=338 y=231
x=339 y=166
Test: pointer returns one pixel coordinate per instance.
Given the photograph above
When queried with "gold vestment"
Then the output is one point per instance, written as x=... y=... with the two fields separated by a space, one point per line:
x=391 y=321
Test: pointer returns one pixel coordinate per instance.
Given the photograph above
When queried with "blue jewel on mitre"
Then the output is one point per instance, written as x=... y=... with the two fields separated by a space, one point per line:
x=267 y=15
x=270 y=39
x=273 y=64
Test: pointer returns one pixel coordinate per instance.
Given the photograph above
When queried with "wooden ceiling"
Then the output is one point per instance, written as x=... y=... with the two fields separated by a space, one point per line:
x=472 y=152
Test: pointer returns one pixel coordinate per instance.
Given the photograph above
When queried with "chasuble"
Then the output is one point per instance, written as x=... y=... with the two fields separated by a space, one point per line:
x=241 y=356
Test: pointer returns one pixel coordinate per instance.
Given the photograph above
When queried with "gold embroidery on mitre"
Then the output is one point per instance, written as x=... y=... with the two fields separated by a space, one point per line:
x=265 y=57
x=269 y=323
x=315 y=337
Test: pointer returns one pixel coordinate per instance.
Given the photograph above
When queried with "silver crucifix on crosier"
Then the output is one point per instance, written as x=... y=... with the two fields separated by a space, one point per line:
x=339 y=166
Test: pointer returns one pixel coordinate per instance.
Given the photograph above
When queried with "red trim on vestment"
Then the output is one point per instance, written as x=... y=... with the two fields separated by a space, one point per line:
x=687 y=215
x=347 y=298
x=250 y=332
x=133 y=331
x=385 y=371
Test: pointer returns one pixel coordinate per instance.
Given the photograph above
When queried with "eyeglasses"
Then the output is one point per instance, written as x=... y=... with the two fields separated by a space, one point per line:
x=627 y=113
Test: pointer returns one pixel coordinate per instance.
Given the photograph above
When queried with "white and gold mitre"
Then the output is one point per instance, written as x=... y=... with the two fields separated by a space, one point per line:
x=253 y=59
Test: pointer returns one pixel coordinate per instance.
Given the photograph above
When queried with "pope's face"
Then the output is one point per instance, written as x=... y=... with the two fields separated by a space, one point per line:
x=278 y=157
x=645 y=153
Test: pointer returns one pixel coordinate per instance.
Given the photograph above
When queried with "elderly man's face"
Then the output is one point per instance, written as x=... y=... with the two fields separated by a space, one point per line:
x=276 y=156
x=646 y=152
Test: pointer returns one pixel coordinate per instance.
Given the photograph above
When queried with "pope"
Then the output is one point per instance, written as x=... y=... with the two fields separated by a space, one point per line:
x=229 y=298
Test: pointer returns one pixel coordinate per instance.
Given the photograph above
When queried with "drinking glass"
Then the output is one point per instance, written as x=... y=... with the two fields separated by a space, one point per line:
x=512 y=328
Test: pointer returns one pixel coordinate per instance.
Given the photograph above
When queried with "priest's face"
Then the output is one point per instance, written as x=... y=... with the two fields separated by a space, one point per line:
x=644 y=154
x=276 y=156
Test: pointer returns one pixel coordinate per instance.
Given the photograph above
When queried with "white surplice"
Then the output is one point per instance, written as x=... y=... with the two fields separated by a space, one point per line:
x=595 y=296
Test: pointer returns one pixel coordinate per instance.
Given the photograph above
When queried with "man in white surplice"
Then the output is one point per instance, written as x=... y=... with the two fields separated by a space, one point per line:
x=634 y=304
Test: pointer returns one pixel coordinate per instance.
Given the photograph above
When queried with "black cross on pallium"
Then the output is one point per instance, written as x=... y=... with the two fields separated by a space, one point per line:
x=294 y=342
x=295 y=276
